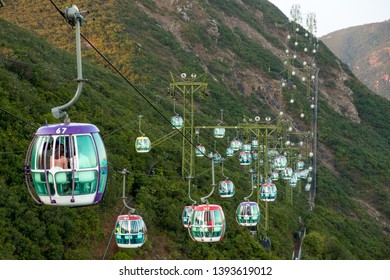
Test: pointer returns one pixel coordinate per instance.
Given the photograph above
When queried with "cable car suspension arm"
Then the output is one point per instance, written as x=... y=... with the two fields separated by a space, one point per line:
x=74 y=17
x=124 y=172
x=204 y=199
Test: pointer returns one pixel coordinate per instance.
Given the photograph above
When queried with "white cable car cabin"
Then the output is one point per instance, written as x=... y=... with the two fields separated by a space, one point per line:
x=226 y=188
x=177 y=122
x=66 y=165
x=186 y=215
x=307 y=187
x=304 y=173
x=130 y=231
x=300 y=165
x=255 y=156
x=287 y=173
x=246 y=147
x=293 y=180
x=268 y=192
x=274 y=176
x=229 y=152
x=248 y=214
x=217 y=158
x=207 y=223
x=219 y=132
x=272 y=153
x=280 y=162
x=200 y=151
x=262 y=148
x=143 y=144
x=255 y=144
x=236 y=144
x=245 y=158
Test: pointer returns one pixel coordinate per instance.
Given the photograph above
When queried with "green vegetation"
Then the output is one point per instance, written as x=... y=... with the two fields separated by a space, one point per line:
x=35 y=76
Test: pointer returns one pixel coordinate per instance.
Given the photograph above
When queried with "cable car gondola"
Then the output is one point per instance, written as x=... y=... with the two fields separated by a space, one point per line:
x=177 y=122
x=229 y=152
x=268 y=192
x=207 y=223
x=245 y=158
x=130 y=231
x=248 y=213
x=200 y=151
x=246 y=147
x=280 y=162
x=226 y=188
x=255 y=144
x=293 y=180
x=66 y=163
x=300 y=165
x=274 y=176
x=236 y=144
x=142 y=144
x=287 y=173
x=219 y=132
x=217 y=158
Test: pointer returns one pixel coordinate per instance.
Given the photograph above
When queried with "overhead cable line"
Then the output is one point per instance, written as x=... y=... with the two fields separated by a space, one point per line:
x=127 y=80
x=19 y=118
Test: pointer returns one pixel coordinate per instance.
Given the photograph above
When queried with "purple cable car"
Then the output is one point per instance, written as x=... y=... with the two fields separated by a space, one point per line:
x=248 y=213
x=66 y=165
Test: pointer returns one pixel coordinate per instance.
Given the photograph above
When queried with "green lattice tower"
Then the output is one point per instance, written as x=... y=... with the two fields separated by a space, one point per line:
x=187 y=87
x=265 y=133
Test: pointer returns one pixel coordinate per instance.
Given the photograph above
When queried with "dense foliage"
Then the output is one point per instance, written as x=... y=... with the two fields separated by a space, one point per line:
x=351 y=215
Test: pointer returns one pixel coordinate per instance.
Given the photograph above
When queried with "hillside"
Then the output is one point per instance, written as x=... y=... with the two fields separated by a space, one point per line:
x=241 y=46
x=366 y=50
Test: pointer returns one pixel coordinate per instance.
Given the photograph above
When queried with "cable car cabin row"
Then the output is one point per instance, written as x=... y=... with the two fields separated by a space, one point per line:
x=66 y=165
x=130 y=231
x=207 y=223
x=248 y=213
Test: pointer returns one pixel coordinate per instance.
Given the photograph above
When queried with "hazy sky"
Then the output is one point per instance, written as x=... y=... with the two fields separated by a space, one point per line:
x=332 y=15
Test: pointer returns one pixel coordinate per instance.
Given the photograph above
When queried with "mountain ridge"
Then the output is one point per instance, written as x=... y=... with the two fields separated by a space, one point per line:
x=353 y=130
x=368 y=61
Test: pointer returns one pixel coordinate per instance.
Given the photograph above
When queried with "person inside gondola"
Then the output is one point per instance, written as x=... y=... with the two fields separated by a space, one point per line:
x=59 y=158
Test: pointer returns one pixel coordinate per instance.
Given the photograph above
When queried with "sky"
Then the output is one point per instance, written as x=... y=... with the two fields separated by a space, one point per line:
x=332 y=15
